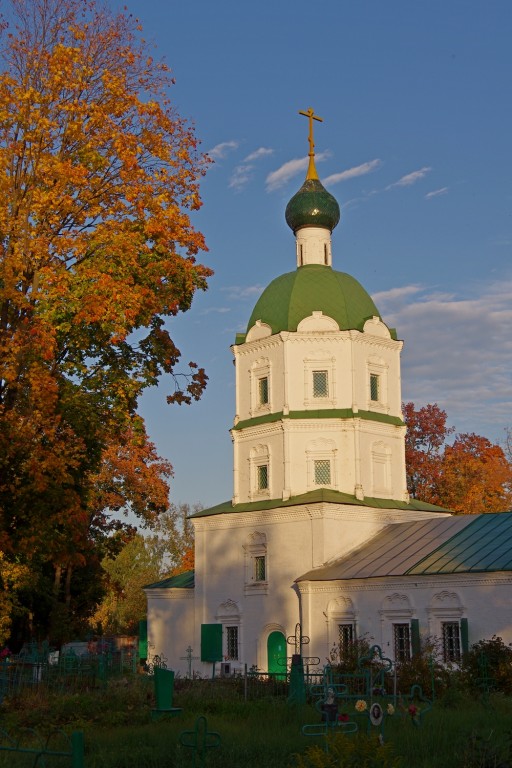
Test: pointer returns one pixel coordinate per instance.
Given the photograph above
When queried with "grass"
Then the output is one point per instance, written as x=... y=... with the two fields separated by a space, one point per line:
x=459 y=732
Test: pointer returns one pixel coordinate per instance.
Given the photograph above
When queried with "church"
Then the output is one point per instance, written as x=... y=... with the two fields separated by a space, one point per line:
x=320 y=529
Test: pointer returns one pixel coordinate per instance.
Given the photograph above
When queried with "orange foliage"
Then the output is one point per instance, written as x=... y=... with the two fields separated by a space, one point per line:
x=470 y=476
x=98 y=175
x=187 y=562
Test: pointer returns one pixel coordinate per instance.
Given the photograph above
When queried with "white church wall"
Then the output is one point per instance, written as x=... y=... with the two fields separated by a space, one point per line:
x=373 y=606
x=170 y=625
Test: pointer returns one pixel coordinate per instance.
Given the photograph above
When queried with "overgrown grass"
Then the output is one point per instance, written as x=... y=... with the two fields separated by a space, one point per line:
x=460 y=732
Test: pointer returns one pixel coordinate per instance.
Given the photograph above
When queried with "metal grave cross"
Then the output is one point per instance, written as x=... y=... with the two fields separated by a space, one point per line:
x=189 y=659
x=298 y=640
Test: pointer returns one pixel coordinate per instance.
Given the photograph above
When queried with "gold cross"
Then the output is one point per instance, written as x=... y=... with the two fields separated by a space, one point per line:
x=310 y=114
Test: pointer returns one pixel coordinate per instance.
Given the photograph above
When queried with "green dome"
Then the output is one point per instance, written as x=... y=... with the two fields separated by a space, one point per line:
x=312 y=206
x=313 y=288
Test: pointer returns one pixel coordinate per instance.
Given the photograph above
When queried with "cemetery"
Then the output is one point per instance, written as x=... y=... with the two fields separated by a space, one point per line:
x=96 y=710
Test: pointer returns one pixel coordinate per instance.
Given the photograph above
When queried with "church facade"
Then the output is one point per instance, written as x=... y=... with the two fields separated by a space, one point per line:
x=320 y=529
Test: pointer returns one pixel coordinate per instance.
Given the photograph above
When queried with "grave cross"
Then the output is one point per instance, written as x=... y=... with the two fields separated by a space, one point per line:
x=199 y=740
x=298 y=640
x=189 y=658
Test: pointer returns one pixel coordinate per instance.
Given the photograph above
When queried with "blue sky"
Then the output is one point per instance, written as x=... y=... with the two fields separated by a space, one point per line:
x=416 y=147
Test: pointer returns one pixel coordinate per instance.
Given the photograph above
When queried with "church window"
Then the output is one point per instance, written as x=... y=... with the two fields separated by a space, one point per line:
x=374 y=387
x=262 y=474
x=320 y=384
x=345 y=639
x=263 y=390
x=402 y=641
x=322 y=472
x=232 y=643
x=256 y=564
x=260 y=568
x=326 y=254
x=451 y=641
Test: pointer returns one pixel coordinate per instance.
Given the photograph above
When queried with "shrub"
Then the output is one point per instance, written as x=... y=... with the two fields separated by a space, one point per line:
x=488 y=661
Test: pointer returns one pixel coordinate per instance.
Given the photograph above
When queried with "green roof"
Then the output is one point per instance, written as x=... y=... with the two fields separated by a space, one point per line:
x=312 y=206
x=315 y=497
x=324 y=413
x=183 y=580
x=313 y=288
x=484 y=545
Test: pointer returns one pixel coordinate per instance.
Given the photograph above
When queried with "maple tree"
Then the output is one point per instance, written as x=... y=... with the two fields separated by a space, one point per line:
x=98 y=176
x=469 y=476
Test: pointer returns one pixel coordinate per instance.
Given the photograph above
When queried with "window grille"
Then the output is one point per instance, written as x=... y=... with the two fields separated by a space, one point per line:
x=402 y=642
x=374 y=387
x=262 y=477
x=322 y=472
x=345 y=638
x=263 y=390
x=451 y=641
x=260 y=570
x=232 y=643
x=320 y=388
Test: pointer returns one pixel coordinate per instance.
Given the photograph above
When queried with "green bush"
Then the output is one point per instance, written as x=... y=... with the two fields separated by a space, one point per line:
x=491 y=660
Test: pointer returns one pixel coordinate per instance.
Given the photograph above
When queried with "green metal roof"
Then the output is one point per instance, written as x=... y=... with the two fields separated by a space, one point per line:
x=183 y=580
x=440 y=545
x=312 y=206
x=484 y=545
x=313 y=288
x=316 y=497
x=325 y=413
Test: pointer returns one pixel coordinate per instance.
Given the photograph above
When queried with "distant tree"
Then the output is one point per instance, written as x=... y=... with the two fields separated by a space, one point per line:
x=176 y=534
x=470 y=476
x=476 y=476
x=137 y=564
x=98 y=175
x=424 y=443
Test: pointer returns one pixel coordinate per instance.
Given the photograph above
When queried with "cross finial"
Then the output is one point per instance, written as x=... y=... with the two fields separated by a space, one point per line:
x=310 y=114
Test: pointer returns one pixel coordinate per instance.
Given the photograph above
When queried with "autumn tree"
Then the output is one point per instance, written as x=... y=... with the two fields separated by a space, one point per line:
x=140 y=560
x=424 y=441
x=469 y=476
x=98 y=175
x=176 y=534
x=476 y=476
x=137 y=564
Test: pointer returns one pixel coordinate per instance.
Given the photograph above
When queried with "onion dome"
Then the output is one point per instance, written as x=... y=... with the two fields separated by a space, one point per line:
x=312 y=206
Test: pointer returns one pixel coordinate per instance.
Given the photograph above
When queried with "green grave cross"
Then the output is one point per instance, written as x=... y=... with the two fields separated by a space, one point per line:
x=189 y=659
x=199 y=740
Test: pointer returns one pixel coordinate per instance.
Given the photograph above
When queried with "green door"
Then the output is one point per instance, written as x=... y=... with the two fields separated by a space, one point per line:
x=276 y=649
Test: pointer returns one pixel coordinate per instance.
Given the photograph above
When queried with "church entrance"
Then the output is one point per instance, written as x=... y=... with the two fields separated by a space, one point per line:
x=276 y=650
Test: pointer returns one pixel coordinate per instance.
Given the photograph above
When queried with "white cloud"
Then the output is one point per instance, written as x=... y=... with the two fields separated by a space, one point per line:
x=436 y=192
x=243 y=292
x=242 y=173
x=219 y=151
x=261 y=152
x=410 y=178
x=240 y=177
x=351 y=173
x=288 y=170
x=457 y=352
x=218 y=310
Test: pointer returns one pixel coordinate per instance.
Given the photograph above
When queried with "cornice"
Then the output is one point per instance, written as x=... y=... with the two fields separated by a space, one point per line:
x=382 y=583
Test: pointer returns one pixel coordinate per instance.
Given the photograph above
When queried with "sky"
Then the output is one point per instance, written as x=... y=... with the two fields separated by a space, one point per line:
x=415 y=144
